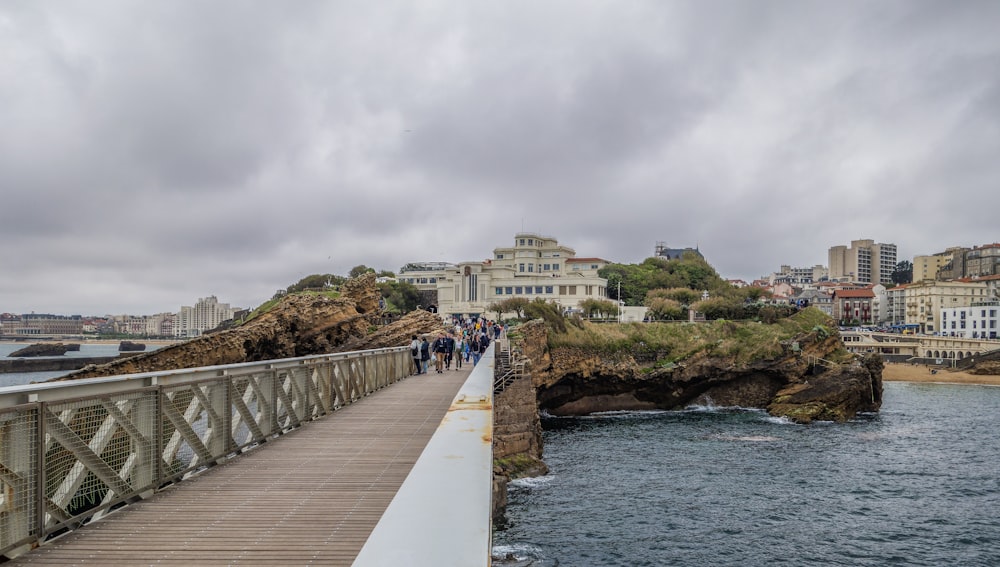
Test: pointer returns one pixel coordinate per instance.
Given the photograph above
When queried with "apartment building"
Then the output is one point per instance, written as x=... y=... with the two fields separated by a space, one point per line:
x=928 y=267
x=535 y=266
x=978 y=321
x=865 y=261
x=924 y=301
x=850 y=305
x=798 y=276
x=205 y=315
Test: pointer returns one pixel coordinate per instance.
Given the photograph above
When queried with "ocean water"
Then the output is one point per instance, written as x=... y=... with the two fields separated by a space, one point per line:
x=86 y=350
x=916 y=484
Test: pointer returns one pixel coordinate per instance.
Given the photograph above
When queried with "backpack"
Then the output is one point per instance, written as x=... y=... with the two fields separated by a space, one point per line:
x=484 y=342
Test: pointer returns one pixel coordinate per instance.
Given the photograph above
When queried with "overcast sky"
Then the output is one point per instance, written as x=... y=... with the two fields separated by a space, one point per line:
x=156 y=152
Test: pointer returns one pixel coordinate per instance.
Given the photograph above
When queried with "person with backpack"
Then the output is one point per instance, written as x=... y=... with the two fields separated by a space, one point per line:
x=415 y=353
x=425 y=354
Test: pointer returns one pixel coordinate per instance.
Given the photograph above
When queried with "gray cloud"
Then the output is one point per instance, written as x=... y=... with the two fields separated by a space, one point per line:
x=153 y=155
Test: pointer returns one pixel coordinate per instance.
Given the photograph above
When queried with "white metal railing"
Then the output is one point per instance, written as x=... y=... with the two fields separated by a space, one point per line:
x=71 y=451
x=441 y=515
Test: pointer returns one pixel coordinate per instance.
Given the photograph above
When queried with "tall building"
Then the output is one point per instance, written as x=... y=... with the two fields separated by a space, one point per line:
x=534 y=267
x=865 y=261
x=206 y=314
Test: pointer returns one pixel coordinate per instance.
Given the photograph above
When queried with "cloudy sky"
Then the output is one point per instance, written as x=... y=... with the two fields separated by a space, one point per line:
x=152 y=153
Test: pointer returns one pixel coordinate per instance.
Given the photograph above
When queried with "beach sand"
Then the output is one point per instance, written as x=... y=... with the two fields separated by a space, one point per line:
x=920 y=373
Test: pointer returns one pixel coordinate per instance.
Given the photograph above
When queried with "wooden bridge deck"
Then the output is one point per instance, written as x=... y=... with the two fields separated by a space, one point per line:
x=311 y=497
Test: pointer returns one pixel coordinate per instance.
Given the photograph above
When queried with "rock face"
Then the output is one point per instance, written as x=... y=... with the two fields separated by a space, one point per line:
x=299 y=325
x=43 y=349
x=796 y=384
x=129 y=346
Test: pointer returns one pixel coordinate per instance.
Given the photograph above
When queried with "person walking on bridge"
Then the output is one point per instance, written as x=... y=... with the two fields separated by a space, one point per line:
x=415 y=353
x=440 y=349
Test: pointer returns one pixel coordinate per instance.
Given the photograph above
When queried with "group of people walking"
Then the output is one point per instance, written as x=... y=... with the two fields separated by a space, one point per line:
x=467 y=340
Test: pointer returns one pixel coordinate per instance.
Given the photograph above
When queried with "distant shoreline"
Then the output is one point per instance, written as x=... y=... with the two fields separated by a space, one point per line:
x=158 y=342
x=899 y=372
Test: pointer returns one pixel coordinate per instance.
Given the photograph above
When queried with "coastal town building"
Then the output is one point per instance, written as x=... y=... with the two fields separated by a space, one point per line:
x=663 y=251
x=39 y=324
x=978 y=321
x=925 y=300
x=975 y=262
x=799 y=277
x=534 y=267
x=865 y=261
x=929 y=267
x=205 y=315
x=854 y=306
x=816 y=298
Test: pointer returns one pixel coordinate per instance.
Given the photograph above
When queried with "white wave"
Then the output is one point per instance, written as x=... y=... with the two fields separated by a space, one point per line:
x=779 y=420
x=748 y=438
x=515 y=552
x=531 y=481
x=623 y=413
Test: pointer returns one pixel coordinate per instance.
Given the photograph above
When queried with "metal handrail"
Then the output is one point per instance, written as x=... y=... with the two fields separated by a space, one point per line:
x=72 y=451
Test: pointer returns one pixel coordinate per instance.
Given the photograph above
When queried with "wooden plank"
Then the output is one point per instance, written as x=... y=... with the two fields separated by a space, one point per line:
x=310 y=497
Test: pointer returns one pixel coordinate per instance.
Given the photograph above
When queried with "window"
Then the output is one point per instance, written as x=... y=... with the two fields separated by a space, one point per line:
x=434 y=280
x=538 y=289
x=548 y=289
x=593 y=266
x=499 y=291
x=546 y=267
x=555 y=267
x=520 y=267
x=562 y=290
x=528 y=290
x=521 y=242
x=531 y=267
x=531 y=242
x=499 y=256
x=509 y=290
x=518 y=290
x=572 y=290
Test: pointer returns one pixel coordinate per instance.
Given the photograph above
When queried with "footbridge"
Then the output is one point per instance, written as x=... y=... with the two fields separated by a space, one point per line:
x=325 y=460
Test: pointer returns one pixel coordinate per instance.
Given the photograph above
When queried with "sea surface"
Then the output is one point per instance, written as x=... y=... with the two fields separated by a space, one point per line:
x=916 y=484
x=86 y=350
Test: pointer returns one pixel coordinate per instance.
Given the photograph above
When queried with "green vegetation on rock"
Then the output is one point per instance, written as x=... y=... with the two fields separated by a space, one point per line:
x=669 y=343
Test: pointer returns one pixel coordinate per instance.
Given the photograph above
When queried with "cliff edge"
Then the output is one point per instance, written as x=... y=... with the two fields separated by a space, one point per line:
x=298 y=325
x=805 y=377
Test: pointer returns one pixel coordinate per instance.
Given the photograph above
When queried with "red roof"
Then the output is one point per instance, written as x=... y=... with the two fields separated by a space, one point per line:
x=860 y=293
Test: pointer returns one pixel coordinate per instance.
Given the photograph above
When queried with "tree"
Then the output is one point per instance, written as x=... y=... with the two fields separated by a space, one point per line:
x=317 y=282
x=400 y=297
x=514 y=305
x=386 y=274
x=903 y=273
x=359 y=270
x=599 y=307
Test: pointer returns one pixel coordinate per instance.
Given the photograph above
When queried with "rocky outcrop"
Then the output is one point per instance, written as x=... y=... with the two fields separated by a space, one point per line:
x=129 y=346
x=986 y=368
x=799 y=383
x=43 y=349
x=298 y=325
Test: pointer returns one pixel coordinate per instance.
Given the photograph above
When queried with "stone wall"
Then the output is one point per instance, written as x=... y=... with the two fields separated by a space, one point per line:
x=517 y=429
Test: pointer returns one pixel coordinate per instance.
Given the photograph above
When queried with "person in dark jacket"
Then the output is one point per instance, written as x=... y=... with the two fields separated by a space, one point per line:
x=425 y=354
x=415 y=353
